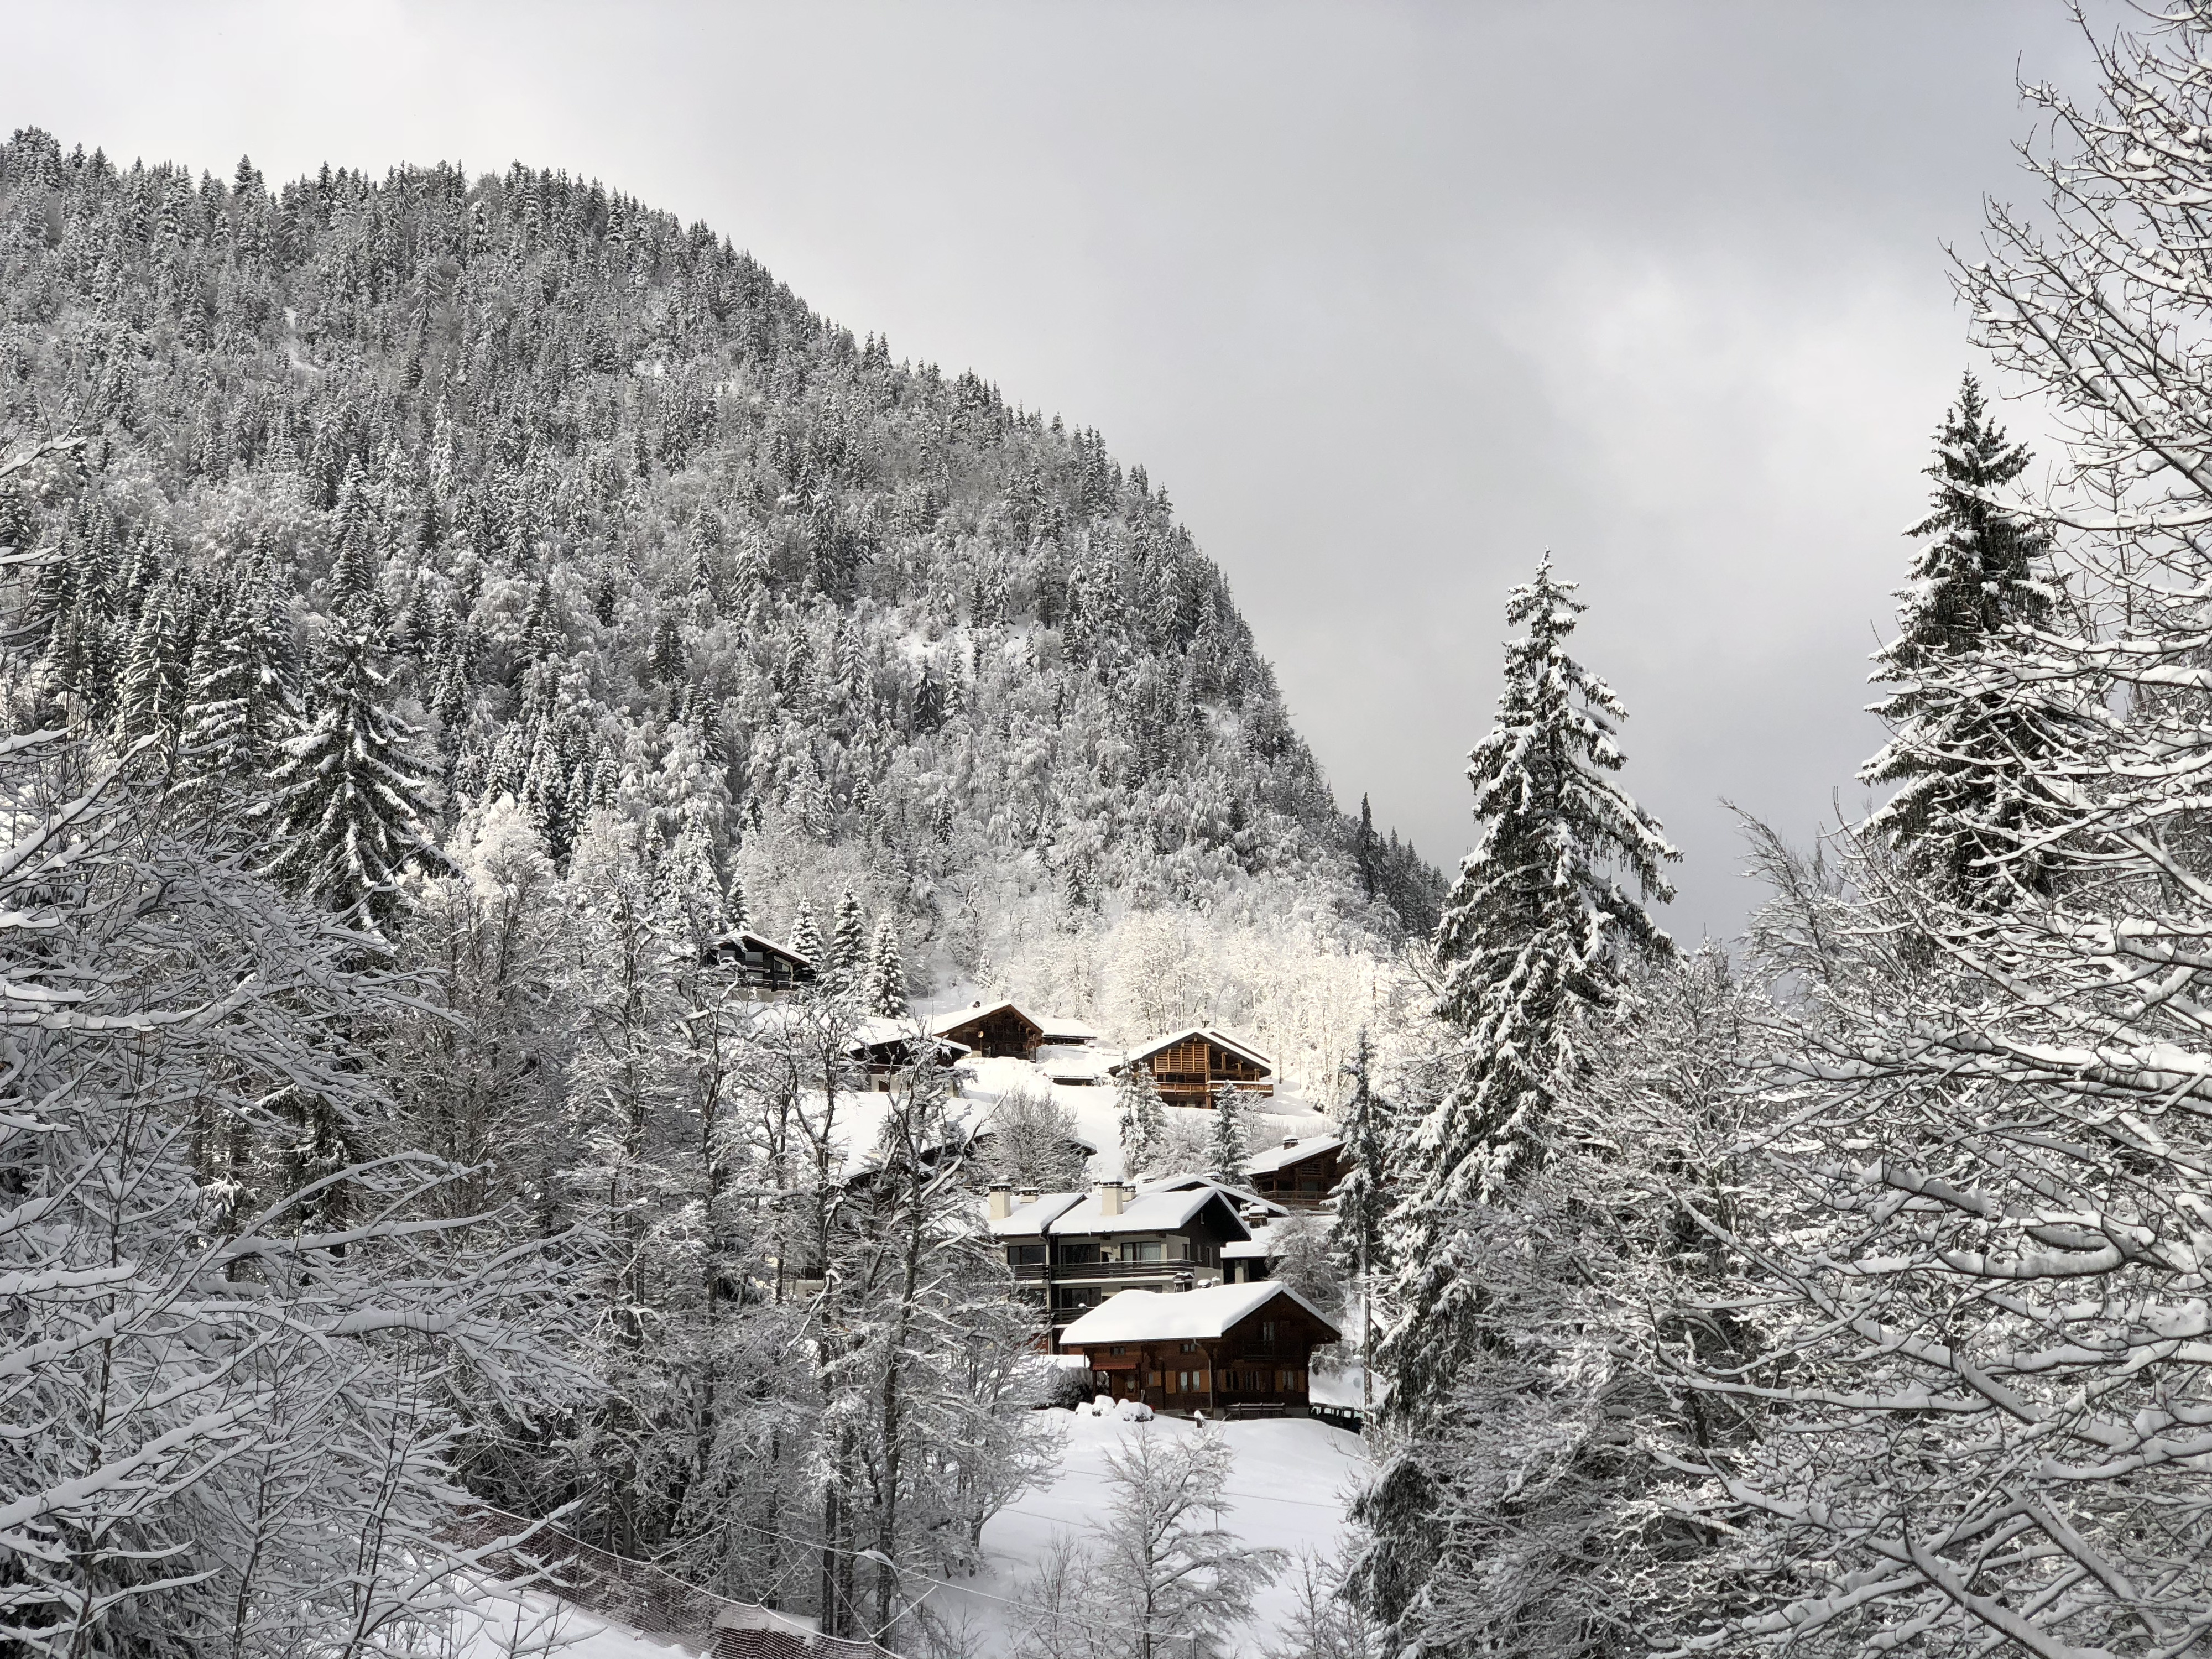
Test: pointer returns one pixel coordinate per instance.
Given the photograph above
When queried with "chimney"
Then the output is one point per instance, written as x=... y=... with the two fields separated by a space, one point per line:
x=1182 y=1281
x=1002 y=1200
x=1289 y=1141
x=1112 y=1197
x=1255 y=1217
x=1026 y=1195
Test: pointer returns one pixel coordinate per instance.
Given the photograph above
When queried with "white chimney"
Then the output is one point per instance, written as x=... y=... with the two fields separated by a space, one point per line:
x=1026 y=1195
x=1112 y=1196
x=1002 y=1200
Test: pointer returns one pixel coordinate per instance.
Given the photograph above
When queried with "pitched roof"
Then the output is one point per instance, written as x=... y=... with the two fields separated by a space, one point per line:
x=941 y=1024
x=1080 y=1214
x=1281 y=1157
x=1180 y=1315
x=1031 y=1220
x=1212 y=1034
x=745 y=938
x=1060 y=1029
x=1244 y=1196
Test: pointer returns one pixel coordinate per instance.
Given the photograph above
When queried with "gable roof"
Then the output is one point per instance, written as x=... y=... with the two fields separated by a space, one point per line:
x=1244 y=1196
x=1060 y=1029
x=1281 y=1157
x=745 y=940
x=1147 y=1213
x=1031 y=1220
x=942 y=1022
x=1212 y=1034
x=1180 y=1315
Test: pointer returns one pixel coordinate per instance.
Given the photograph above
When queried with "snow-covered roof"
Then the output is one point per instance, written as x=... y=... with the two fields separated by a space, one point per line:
x=1028 y=1220
x=745 y=940
x=1147 y=1212
x=1057 y=1061
x=875 y=1030
x=1277 y=1158
x=946 y=1022
x=1257 y=1248
x=1060 y=1029
x=1244 y=1196
x=1180 y=1315
x=1212 y=1034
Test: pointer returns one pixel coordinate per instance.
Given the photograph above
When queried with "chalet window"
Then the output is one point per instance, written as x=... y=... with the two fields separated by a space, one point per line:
x=1024 y=1255
x=1267 y=1332
x=1190 y=1347
x=1151 y=1379
x=1118 y=1352
x=1146 y=1250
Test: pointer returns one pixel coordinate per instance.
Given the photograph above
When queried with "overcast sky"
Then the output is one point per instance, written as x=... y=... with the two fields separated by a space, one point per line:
x=1389 y=298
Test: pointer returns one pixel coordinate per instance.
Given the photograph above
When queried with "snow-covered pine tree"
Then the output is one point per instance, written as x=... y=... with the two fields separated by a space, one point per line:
x=806 y=938
x=348 y=805
x=1538 y=931
x=1363 y=1194
x=1965 y=745
x=1990 y=1160
x=1538 y=927
x=1143 y=1120
x=1228 y=1159
x=245 y=698
x=884 y=986
x=849 y=948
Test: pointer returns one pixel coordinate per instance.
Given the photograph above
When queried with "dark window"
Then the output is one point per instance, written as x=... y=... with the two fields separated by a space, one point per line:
x=1267 y=1332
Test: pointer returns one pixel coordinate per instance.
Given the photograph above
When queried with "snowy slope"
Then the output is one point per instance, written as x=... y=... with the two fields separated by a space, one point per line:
x=1096 y=1116
x=1291 y=1484
x=541 y=1627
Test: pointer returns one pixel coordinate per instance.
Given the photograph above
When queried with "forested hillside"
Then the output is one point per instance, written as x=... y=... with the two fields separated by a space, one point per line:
x=618 y=521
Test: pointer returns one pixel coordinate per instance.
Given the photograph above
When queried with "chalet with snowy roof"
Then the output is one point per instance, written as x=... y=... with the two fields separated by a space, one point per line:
x=1070 y=1251
x=1187 y=1066
x=998 y=1030
x=761 y=965
x=1064 y=1033
x=1074 y=1065
x=890 y=1049
x=1231 y=1350
x=1302 y=1172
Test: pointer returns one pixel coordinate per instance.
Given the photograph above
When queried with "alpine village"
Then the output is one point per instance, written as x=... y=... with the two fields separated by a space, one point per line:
x=676 y=984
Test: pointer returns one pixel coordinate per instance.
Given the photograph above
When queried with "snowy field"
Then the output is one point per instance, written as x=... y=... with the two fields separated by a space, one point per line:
x=1293 y=1481
x=1290 y=1484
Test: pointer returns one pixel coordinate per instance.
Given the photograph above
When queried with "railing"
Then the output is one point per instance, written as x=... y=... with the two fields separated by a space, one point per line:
x=653 y=1601
x=1072 y=1271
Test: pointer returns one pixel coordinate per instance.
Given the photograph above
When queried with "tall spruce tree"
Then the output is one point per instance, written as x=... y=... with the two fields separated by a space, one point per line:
x=245 y=699
x=1363 y=1195
x=1537 y=931
x=806 y=939
x=1965 y=744
x=1227 y=1160
x=883 y=987
x=1144 y=1123
x=348 y=804
x=849 y=948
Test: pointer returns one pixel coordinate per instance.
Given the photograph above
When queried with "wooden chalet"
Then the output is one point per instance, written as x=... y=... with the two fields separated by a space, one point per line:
x=762 y=965
x=1301 y=1173
x=1188 y=1068
x=889 y=1049
x=1071 y=1251
x=995 y=1030
x=1233 y=1350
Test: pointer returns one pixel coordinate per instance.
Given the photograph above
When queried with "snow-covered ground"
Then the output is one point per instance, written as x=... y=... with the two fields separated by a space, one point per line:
x=1288 y=1491
x=1293 y=1479
x=541 y=1627
x=1097 y=1112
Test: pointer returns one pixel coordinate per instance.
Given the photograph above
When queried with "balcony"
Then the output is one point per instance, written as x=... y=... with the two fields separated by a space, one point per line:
x=1079 y=1273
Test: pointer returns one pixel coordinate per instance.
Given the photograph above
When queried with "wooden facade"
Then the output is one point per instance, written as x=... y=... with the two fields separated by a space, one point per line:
x=1260 y=1365
x=1300 y=1177
x=761 y=965
x=1188 y=1068
x=999 y=1031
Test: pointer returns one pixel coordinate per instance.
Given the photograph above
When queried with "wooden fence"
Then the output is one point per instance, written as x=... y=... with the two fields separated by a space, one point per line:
x=648 y=1599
